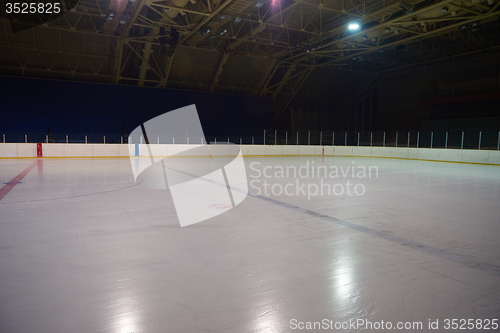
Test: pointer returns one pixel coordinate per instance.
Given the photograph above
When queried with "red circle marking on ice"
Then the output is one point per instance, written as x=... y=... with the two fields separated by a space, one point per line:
x=220 y=206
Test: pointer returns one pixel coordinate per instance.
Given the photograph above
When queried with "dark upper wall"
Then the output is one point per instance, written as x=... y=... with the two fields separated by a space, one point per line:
x=402 y=100
x=397 y=106
x=438 y=92
x=34 y=105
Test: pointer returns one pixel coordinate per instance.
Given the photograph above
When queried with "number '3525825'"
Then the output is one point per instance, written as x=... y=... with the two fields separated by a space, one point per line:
x=32 y=8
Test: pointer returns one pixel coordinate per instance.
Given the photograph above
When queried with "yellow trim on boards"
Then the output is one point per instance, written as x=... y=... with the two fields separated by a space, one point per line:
x=211 y=156
x=12 y=158
x=416 y=159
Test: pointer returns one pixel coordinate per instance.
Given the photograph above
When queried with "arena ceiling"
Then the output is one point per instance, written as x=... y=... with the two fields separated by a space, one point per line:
x=266 y=47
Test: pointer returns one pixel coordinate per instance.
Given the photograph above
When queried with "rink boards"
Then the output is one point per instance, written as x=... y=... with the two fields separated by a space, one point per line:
x=61 y=150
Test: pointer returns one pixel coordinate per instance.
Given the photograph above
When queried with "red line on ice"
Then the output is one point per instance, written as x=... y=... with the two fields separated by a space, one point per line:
x=7 y=187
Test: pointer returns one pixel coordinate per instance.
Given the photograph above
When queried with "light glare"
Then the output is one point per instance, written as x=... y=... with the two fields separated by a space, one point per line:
x=353 y=26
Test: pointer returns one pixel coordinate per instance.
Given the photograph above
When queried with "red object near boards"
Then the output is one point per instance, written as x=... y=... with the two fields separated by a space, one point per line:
x=39 y=150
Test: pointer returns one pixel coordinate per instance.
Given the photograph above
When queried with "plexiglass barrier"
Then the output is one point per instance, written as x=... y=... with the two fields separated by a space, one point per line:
x=488 y=139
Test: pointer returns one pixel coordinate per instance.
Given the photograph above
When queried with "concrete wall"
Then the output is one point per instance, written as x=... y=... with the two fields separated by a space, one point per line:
x=28 y=150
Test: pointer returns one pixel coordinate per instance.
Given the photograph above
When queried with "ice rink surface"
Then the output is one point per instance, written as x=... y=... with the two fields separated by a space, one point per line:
x=85 y=249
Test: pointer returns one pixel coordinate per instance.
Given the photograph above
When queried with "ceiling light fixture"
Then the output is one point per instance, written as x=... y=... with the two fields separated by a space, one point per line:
x=205 y=31
x=353 y=26
x=407 y=8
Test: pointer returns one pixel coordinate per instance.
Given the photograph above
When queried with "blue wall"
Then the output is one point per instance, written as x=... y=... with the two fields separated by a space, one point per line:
x=33 y=105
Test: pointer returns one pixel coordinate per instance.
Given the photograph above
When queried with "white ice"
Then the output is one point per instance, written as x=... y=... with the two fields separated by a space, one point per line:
x=83 y=249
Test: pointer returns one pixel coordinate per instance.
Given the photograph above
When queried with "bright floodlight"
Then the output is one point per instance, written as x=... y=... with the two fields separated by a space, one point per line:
x=353 y=26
